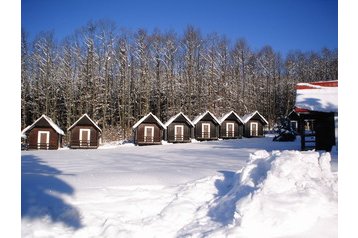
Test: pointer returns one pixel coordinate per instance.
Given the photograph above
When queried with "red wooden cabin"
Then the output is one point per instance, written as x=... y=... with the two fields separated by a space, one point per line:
x=149 y=130
x=84 y=133
x=43 y=134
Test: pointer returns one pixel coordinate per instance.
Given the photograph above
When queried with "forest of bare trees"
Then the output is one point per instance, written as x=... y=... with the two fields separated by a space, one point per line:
x=117 y=76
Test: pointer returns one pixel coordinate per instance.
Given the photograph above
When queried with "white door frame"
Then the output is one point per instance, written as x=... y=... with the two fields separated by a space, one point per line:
x=182 y=132
x=39 y=138
x=227 y=128
x=145 y=133
x=202 y=129
x=296 y=125
x=257 y=128
x=88 y=135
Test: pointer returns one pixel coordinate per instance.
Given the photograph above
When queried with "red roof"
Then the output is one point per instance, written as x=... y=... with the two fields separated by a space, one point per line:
x=333 y=83
x=298 y=110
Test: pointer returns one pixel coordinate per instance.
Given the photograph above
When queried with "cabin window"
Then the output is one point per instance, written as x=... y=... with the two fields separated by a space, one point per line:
x=205 y=130
x=230 y=132
x=254 y=126
x=43 y=140
x=85 y=135
x=148 y=133
x=179 y=132
x=309 y=125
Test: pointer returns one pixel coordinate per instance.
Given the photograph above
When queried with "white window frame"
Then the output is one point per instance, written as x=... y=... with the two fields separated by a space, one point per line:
x=39 y=138
x=202 y=130
x=88 y=135
x=175 y=132
x=227 y=128
x=257 y=128
x=145 y=133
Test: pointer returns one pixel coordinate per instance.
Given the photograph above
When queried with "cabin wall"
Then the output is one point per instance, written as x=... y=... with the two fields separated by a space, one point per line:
x=322 y=134
x=75 y=137
x=238 y=130
x=214 y=131
x=139 y=134
x=171 y=133
x=55 y=139
x=260 y=132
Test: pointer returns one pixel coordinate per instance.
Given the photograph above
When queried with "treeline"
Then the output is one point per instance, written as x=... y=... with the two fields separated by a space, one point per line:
x=117 y=76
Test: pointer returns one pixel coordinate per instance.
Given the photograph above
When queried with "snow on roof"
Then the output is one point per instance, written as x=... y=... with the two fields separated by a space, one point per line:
x=145 y=117
x=317 y=98
x=175 y=116
x=85 y=115
x=199 y=117
x=49 y=120
x=26 y=129
x=247 y=117
x=223 y=118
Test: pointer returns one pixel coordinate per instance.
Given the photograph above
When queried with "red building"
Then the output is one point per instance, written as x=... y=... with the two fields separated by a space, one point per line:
x=317 y=107
x=43 y=134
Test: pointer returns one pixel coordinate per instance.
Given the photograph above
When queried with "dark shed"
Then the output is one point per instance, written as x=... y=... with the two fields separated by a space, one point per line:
x=294 y=120
x=254 y=124
x=317 y=107
x=206 y=127
x=84 y=133
x=179 y=129
x=231 y=126
x=43 y=134
x=149 y=130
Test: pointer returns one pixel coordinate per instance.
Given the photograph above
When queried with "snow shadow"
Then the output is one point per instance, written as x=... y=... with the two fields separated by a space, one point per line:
x=224 y=207
x=260 y=143
x=231 y=189
x=40 y=193
x=317 y=104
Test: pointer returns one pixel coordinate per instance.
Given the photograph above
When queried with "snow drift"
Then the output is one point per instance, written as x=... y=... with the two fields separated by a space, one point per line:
x=288 y=194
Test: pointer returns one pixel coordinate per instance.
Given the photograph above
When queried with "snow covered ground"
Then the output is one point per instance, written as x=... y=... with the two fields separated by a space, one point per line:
x=230 y=188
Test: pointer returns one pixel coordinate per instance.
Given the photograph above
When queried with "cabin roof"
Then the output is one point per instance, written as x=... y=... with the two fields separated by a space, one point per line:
x=199 y=117
x=223 y=118
x=145 y=117
x=52 y=124
x=85 y=115
x=317 y=96
x=175 y=116
x=247 y=117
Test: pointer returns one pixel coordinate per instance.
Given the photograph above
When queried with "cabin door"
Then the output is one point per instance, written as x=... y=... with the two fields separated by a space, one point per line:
x=43 y=140
x=294 y=125
x=148 y=133
x=205 y=130
x=178 y=132
x=85 y=135
x=254 y=126
x=230 y=129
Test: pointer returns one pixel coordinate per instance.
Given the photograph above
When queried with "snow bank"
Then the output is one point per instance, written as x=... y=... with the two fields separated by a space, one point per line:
x=288 y=194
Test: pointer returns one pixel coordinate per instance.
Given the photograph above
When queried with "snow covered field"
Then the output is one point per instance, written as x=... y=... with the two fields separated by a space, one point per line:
x=232 y=188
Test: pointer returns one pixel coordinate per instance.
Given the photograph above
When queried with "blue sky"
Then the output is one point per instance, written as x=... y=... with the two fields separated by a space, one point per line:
x=284 y=24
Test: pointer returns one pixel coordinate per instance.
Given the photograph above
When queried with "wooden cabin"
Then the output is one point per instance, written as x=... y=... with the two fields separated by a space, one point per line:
x=179 y=129
x=84 y=134
x=294 y=119
x=231 y=126
x=317 y=107
x=254 y=124
x=149 y=130
x=206 y=127
x=43 y=134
